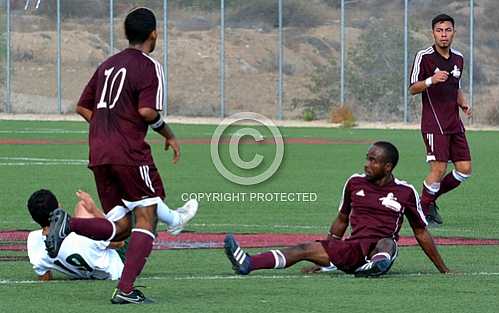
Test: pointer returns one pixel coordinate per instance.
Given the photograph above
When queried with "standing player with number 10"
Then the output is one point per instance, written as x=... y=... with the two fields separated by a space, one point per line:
x=120 y=102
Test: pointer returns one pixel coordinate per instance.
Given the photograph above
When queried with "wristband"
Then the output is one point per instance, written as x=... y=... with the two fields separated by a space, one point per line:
x=428 y=82
x=157 y=124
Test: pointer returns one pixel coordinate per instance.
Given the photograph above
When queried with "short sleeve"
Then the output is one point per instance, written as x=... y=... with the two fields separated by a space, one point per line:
x=413 y=210
x=36 y=253
x=418 y=70
x=89 y=94
x=150 y=86
x=346 y=199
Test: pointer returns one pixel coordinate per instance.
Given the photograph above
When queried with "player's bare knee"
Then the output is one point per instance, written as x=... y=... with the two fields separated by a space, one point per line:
x=385 y=245
x=464 y=169
x=438 y=169
x=146 y=218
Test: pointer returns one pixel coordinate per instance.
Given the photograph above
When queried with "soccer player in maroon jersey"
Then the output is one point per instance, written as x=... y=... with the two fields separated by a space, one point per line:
x=436 y=74
x=120 y=102
x=373 y=204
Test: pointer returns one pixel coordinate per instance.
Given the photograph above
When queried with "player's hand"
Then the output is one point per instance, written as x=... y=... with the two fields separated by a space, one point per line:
x=312 y=269
x=439 y=77
x=172 y=142
x=466 y=109
x=86 y=201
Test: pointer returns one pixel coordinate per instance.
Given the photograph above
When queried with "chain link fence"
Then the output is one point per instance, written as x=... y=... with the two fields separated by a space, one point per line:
x=291 y=59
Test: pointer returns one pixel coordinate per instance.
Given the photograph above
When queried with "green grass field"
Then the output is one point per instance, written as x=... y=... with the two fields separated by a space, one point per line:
x=202 y=281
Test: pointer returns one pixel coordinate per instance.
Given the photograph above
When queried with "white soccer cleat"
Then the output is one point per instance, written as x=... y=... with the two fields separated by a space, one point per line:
x=187 y=213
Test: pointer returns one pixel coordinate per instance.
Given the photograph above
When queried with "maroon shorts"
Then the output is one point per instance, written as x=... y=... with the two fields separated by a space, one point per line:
x=444 y=148
x=348 y=255
x=131 y=183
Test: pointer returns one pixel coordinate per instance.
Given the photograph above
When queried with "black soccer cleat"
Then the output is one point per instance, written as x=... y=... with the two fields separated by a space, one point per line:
x=373 y=269
x=58 y=230
x=134 y=297
x=239 y=259
x=433 y=218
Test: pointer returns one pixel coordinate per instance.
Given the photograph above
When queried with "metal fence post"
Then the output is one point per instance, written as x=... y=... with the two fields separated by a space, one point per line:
x=222 y=58
x=165 y=55
x=281 y=56
x=8 y=104
x=342 y=55
x=472 y=48
x=111 y=27
x=59 y=35
x=406 y=53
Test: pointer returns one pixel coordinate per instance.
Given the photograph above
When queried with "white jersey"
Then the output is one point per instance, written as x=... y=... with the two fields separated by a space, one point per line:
x=79 y=257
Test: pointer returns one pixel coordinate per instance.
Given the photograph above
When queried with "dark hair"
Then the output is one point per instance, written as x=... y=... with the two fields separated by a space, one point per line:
x=139 y=23
x=390 y=152
x=40 y=204
x=441 y=18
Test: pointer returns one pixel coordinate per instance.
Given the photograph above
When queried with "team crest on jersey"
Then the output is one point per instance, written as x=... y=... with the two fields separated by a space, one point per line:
x=390 y=201
x=456 y=72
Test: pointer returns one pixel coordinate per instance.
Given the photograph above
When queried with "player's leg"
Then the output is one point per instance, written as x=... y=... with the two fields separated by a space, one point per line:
x=460 y=155
x=380 y=260
x=437 y=155
x=243 y=263
x=139 y=248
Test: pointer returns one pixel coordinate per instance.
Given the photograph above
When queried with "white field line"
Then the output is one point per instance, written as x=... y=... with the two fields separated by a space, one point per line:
x=26 y=161
x=260 y=277
x=259 y=226
x=42 y=131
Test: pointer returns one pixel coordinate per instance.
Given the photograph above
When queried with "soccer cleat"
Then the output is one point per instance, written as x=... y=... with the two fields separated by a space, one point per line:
x=187 y=213
x=240 y=260
x=433 y=218
x=134 y=297
x=58 y=230
x=373 y=269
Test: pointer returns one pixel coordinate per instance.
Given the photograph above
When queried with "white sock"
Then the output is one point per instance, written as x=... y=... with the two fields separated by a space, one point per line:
x=280 y=259
x=167 y=216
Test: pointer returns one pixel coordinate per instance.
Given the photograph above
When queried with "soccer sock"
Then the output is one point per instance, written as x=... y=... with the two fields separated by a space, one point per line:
x=93 y=228
x=428 y=195
x=451 y=181
x=139 y=248
x=167 y=216
x=267 y=260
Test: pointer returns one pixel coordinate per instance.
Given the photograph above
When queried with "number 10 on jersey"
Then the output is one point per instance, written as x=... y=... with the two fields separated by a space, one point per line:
x=121 y=73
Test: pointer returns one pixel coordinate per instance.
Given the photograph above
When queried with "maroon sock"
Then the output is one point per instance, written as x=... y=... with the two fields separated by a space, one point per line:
x=262 y=261
x=448 y=183
x=93 y=228
x=139 y=248
x=427 y=197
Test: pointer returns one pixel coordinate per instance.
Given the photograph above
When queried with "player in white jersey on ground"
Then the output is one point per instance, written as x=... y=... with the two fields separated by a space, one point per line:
x=79 y=256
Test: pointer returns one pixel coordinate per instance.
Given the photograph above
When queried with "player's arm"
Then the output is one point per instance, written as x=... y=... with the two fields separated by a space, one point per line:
x=154 y=119
x=84 y=112
x=86 y=102
x=339 y=226
x=422 y=85
x=426 y=242
x=463 y=104
x=45 y=277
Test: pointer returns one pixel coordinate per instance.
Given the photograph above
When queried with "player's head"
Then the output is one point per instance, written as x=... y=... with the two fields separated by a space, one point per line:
x=40 y=204
x=140 y=26
x=443 y=30
x=382 y=157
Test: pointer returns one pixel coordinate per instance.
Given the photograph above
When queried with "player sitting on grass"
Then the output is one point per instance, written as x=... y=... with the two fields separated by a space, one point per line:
x=79 y=257
x=373 y=204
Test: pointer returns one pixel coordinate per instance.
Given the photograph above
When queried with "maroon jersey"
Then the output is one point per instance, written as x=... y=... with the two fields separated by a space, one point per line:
x=377 y=212
x=440 y=109
x=120 y=86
